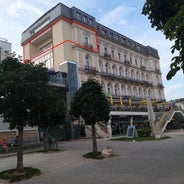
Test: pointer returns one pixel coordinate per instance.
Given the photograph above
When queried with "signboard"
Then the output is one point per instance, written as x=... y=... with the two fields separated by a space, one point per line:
x=131 y=132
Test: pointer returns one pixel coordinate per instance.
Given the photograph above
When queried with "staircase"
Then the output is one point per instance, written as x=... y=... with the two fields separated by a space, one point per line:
x=159 y=126
x=100 y=131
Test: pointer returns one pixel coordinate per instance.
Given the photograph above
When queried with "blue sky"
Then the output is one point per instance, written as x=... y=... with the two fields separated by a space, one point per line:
x=123 y=16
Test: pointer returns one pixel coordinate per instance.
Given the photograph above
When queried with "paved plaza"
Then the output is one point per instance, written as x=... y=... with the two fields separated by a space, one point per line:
x=148 y=162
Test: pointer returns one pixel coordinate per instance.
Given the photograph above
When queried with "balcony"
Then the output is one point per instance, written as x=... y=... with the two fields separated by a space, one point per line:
x=143 y=67
x=160 y=86
x=106 y=55
x=89 y=68
x=127 y=62
x=157 y=70
x=87 y=45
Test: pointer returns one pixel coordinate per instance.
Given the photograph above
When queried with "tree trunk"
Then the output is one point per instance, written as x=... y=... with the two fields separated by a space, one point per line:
x=20 y=166
x=47 y=147
x=94 y=138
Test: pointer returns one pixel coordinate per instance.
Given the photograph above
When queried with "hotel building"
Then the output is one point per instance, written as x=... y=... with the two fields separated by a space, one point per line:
x=128 y=71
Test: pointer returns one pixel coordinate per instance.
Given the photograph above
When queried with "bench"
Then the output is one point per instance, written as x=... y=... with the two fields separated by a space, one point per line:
x=28 y=142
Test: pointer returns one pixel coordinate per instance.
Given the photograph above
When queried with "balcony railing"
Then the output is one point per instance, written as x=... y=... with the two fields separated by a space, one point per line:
x=143 y=67
x=125 y=78
x=89 y=68
x=157 y=70
x=127 y=62
x=107 y=55
x=88 y=45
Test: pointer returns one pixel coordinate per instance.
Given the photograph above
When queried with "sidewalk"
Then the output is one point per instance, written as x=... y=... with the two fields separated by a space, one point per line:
x=30 y=149
x=153 y=162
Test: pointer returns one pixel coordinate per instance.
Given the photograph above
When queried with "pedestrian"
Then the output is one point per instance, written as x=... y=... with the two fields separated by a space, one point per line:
x=4 y=145
x=15 y=143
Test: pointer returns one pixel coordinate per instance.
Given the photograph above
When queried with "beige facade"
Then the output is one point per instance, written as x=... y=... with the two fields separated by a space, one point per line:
x=124 y=67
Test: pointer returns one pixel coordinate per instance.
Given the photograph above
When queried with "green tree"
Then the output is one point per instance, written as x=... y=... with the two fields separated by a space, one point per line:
x=24 y=90
x=167 y=16
x=90 y=103
x=50 y=110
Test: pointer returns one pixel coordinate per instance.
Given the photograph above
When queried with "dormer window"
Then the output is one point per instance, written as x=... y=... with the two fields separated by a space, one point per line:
x=90 y=21
x=84 y=19
x=104 y=32
x=78 y=15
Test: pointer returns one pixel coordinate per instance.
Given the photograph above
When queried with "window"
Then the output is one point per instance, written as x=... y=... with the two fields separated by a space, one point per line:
x=87 y=61
x=108 y=88
x=116 y=89
x=106 y=68
x=90 y=21
x=120 y=71
x=84 y=19
x=129 y=91
x=130 y=59
x=123 y=91
x=119 y=55
x=117 y=37
x=114 y=69
x=86 y=40
x=136 y=62
x=46 y=47
x=139 y=92
x=101 y=66
x=105 y=50
x=104 y=32
x=78 y=15
x=132 y=74
x=112 y=53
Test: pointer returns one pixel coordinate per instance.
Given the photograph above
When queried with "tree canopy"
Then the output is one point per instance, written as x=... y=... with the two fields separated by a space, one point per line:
x=19 y=90
x=167 y=16
x=91 y=104
x=26 y=98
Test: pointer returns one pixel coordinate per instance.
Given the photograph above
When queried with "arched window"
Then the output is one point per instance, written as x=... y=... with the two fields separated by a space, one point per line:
x=137 y=75
x=123 y=91
x=139 y=92
x=120 y=71
x=149 y=93
x=135 y=91
x=107 y=68
x=145 y=93
x=116 y=89
x=147 y=77
x=114 y=70
x=126 y=72
x=129 y=91
x=132 y=74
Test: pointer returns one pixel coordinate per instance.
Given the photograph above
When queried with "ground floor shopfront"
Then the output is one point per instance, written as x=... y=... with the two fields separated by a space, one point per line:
x=119 y=124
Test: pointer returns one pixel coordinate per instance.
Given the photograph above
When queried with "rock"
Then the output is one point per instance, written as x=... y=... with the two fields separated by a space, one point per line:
x=107 y=152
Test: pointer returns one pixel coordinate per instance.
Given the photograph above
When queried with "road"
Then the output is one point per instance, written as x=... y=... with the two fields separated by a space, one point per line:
x=153 y=162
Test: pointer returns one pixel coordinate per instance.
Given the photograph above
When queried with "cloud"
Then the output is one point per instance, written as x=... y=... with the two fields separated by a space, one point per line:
x=173 y=91
x=16 y=16
x=116 y=17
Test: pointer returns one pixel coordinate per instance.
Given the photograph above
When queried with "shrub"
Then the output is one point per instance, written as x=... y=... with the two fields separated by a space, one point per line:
x=144 y=132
